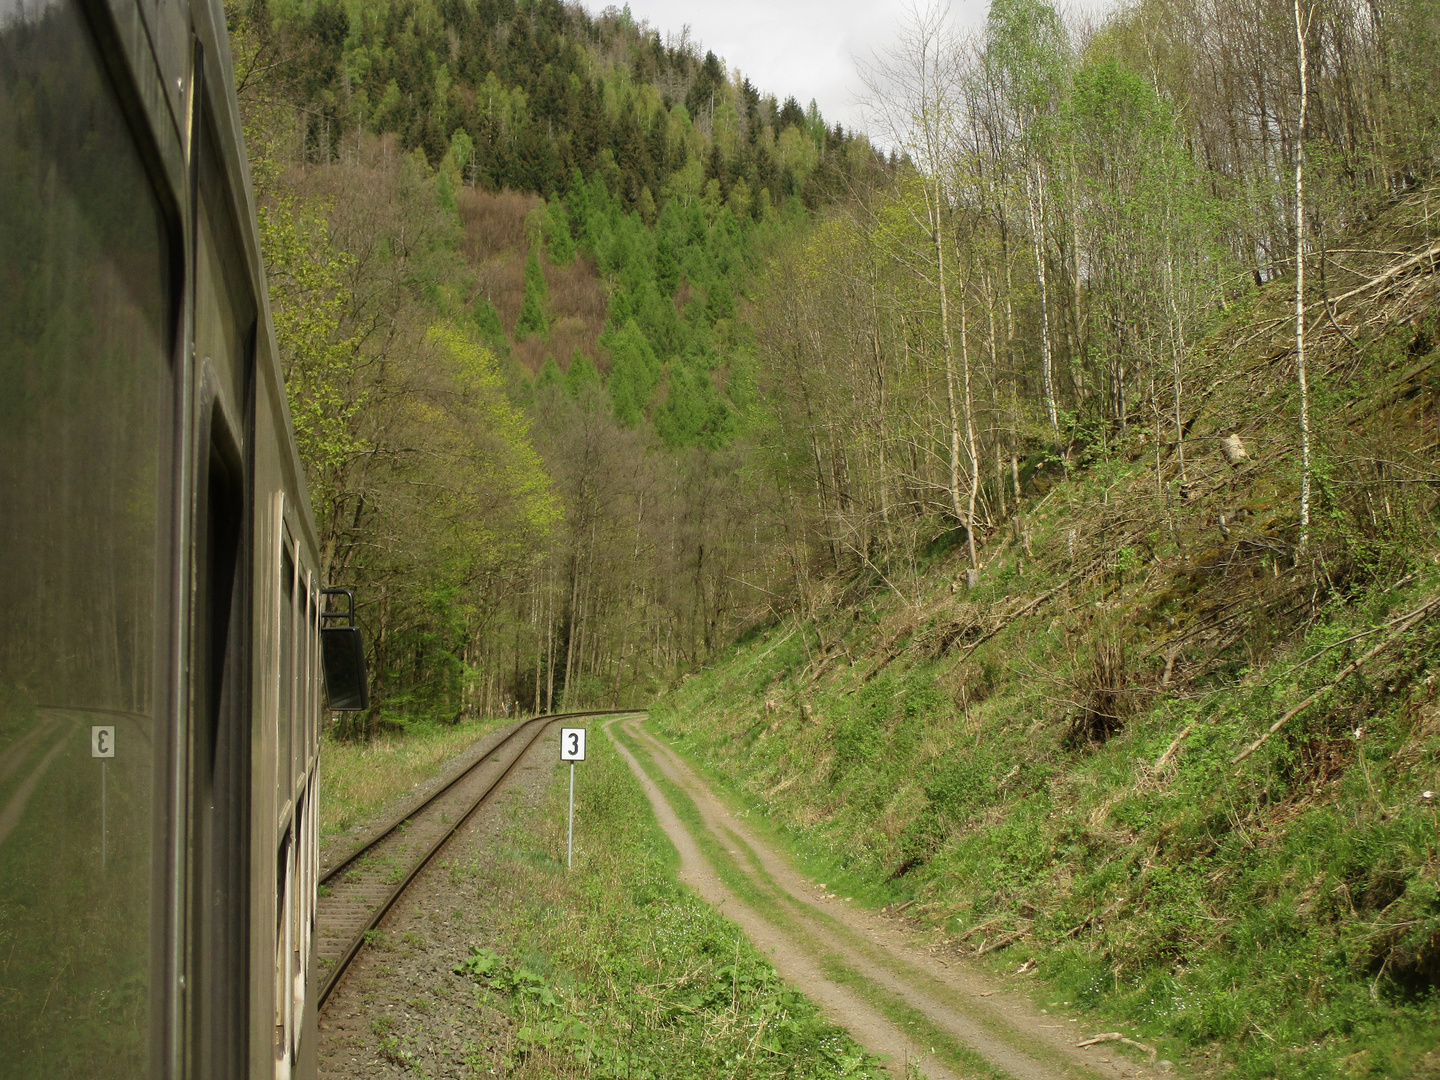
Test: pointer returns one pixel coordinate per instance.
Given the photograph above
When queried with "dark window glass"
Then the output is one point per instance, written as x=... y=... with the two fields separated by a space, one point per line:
x=84 y=420
x=284 y=742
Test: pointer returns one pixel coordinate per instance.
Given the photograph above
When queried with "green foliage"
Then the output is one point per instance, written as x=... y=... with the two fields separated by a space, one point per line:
x=634 y=372
x=560 y=244
x=537 y=93
x=549 y=375
x=309 y=297
x=1028 y=44
x=487 y=502
x=445 y=193
x=581 y=374
x=532 y=320
x=1195 y=905
x=693 y=412
x=488 y=325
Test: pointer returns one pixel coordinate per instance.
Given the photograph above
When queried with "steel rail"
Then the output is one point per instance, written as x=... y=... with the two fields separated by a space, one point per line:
x=537 y=725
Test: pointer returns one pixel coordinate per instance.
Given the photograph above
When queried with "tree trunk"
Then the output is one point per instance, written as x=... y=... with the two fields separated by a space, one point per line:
x=948 y=349
x=972 y=577
x=1047 y=357
x=1301 y=373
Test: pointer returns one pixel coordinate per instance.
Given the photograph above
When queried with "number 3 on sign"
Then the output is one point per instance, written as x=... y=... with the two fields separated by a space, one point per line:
x=102 y=742
x=572 y=744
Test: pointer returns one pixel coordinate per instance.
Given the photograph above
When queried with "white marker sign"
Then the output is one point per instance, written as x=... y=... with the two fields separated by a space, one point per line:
x=102 y=742
x=572 y=749
x=572 y=744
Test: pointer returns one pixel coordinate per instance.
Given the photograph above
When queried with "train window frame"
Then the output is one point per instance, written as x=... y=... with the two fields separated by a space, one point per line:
x=286 y=652
x=224 y=333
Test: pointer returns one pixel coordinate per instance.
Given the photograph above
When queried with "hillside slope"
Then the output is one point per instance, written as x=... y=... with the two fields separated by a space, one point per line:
x=511 y=247
x=1068 y=763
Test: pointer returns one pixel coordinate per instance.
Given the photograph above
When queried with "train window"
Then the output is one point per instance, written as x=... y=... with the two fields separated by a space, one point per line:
x=284 y=936
x=312 y=626
x=86 y=336
x=284 y=745
x=302 y=677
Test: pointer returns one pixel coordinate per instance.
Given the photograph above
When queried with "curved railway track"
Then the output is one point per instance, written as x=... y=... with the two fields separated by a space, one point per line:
x=357 y=892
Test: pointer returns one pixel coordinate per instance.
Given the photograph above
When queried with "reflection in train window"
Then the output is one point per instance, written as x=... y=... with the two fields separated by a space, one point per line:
x=284 y=743
x=85 y=340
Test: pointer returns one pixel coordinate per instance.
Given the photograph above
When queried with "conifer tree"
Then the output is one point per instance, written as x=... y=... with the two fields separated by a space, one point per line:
x=634 y=372
x=532 y=319
x=492 y=331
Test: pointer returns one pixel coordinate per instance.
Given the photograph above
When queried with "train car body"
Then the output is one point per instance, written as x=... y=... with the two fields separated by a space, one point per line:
x=160 y=601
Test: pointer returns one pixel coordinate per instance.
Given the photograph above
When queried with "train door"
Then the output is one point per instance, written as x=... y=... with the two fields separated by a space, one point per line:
x=91 y=266
x=219 y=729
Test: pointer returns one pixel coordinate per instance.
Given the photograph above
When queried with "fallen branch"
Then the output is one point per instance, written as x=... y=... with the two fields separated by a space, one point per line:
x=1164 y=758
x=1169 y=666
x=823 y=662
x=1004 y=941
x=1408 y=621
x=1026 y=610
x=1115 y=1036
x=982 y=928
x=1390 y=273
x=1345 y=640
x=895 y=650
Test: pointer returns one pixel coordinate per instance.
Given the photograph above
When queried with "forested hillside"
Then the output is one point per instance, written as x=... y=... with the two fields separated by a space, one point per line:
x=510 y=248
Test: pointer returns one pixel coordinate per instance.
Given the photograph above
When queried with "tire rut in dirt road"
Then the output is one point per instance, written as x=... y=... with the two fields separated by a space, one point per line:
x=830 y=951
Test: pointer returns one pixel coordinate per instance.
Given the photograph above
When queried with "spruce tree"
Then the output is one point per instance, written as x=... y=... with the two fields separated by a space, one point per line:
x=532 y=309
x=492 y=331
x=634 y=372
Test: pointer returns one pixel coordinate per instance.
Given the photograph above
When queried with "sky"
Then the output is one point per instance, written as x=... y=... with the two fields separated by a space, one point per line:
x=805 y=48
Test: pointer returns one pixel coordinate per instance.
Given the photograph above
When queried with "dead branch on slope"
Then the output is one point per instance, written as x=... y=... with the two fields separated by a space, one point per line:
x=1407 y=622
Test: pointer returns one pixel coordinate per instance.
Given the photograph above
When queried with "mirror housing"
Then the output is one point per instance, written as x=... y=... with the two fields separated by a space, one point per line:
x=346 y=687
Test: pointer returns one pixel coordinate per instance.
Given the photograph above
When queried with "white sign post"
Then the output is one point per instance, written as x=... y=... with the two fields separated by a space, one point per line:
x=102 y=746
x=572 y=749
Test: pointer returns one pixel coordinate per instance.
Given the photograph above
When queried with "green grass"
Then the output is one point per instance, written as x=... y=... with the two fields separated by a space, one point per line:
x=612 y=969
x=358 y=779
x=1280 y=919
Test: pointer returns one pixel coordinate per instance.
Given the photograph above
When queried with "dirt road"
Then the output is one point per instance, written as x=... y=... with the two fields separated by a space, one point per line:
x=924 y=1014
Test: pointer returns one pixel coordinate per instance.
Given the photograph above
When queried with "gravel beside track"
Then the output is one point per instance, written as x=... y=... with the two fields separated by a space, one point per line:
x=400 y=1010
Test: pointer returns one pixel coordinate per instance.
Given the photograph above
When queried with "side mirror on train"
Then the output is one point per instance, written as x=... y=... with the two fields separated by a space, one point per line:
x=346 y=687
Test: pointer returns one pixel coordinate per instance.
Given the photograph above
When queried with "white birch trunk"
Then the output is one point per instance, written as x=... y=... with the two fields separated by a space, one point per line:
x=1037 y=232
x=1301 y=372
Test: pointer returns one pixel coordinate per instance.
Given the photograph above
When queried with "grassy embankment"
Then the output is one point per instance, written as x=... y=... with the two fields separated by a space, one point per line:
x=1048 y=764
x=612 y=968
x=358 y=779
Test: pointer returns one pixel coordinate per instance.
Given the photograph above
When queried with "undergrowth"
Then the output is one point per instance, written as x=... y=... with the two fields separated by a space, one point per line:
x=358 y=779
x=1281 y=918
x=1060 y=780
x=1069 y=762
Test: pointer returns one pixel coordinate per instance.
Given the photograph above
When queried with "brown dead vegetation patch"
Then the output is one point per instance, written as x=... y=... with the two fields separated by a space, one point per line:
x=494 y=221
x=495 y=247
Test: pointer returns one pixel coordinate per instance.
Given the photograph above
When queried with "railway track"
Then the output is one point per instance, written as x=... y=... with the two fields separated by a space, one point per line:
x=357 y=892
